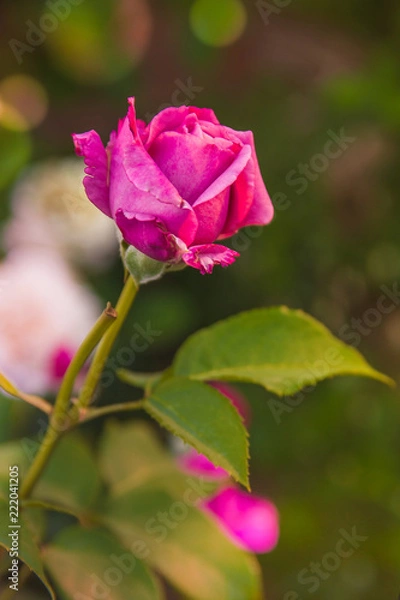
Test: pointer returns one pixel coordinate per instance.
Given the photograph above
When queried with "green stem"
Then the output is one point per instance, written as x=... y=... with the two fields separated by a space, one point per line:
x=59 y=420
x=94 y=413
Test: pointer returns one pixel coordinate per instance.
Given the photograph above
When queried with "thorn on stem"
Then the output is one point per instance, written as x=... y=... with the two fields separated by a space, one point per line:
x=110 y=311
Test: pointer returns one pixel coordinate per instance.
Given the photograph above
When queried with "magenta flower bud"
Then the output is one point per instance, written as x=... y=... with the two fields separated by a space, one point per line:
x=60 y=362
x=200 y=465
x=251 y=522
x=177 y=185
x=236 y=398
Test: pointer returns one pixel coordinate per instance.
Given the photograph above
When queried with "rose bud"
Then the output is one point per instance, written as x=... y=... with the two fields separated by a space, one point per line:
x=176 y=185
x=251 y=522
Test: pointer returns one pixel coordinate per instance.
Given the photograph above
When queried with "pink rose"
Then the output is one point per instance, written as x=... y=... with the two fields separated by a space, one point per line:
x=249 y=521
x=177 y=185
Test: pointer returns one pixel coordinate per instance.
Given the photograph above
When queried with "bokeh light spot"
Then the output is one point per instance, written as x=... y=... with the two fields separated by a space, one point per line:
x=218 y=22
x=102 y=41
x=23 y=102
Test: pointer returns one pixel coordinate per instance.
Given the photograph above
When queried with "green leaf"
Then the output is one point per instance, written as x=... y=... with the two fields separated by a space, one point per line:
x=184 y=544
x=15 y=150
x=205 y=419
x=71 y=478
x=188 y=548
x=281 y=349
x=70 y=481
x=52 y=507
x=7 y=386
x=87 y=564
x=130 y=455
x=6 y=406
x=28 y=540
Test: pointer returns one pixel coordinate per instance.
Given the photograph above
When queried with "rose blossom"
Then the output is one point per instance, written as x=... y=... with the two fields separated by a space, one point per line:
x=177 y=185
x=45 y=314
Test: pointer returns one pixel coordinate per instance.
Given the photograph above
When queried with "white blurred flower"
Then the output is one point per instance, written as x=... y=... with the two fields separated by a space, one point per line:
x=45 y=315
x=50 y=208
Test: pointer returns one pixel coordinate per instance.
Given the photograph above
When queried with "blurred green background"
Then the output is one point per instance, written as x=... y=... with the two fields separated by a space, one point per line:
x=295 y=73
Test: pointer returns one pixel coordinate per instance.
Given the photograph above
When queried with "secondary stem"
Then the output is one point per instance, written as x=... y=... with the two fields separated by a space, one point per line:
x=94 y=413
x=37 y=402
x=59 y=421
x=102 y=353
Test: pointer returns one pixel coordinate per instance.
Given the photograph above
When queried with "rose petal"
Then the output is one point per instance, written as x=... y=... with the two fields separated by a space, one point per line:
x=216 y=190
x=211 y=217
x=250 y=521
x=170 y=119
x=261 y=211
x=138 y=187
x=147 y=234
x=90 y=146
x=191 y=162
x=241 y=200
x=205 y=257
